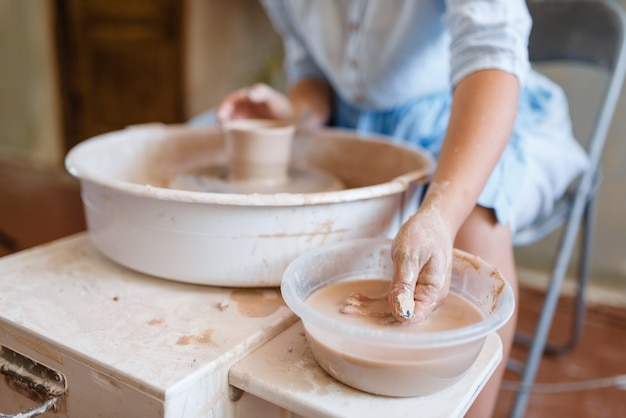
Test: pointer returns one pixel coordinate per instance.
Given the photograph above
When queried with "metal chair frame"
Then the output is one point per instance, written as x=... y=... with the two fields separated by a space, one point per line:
x=584 y=31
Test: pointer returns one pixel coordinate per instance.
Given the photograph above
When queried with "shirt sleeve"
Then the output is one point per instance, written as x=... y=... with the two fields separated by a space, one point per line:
x=488 y=34
x=298 y=62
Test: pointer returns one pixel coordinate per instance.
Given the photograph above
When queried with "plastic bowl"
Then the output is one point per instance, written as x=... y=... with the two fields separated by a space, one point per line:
x=386 y=362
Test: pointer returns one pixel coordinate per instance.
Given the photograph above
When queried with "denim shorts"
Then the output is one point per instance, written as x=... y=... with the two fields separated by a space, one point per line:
x=540 y=160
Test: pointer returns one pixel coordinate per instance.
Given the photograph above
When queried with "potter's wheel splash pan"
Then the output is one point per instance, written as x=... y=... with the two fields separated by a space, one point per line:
x=229 y=239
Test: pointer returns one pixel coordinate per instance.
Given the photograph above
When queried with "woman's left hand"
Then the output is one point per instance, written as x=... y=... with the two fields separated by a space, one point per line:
x=422 y=258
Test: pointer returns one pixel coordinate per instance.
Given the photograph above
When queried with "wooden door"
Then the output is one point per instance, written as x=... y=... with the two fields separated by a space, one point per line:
x=120 y=63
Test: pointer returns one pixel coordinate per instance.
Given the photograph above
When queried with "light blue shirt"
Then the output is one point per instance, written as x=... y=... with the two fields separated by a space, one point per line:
x=379 y=54
x=393 y=64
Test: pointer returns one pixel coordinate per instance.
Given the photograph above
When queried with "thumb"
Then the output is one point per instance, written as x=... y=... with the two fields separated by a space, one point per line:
x=402 y=288
x=272 y=101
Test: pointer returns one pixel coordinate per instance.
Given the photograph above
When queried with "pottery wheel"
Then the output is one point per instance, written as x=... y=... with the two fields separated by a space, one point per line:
x=214 y=180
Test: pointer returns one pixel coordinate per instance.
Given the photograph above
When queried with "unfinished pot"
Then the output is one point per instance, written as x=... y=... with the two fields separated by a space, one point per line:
x=235 y=239
x=259 y=151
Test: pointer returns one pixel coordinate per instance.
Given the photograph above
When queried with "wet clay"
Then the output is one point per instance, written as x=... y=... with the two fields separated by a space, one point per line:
x=258 y=161
x=204 y=338
x=215 y=180
x=364 y=304
x=258 y=150
x=381 y=369
x=256 y=303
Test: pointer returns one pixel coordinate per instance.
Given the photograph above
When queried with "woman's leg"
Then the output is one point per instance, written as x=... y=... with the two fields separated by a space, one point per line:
x=481 y=235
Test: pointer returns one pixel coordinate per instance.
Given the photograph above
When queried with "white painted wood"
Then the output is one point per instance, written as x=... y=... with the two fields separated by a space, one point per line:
x=285 y=373
x=130 y=345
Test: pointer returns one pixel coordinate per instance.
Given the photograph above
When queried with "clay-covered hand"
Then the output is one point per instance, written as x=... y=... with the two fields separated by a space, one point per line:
x=257 y=102
x=422 y=259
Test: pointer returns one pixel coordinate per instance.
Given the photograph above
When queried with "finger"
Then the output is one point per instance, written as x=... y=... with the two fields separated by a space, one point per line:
x=232 y=104
x=428 y=297
x=431 y=289
x=270 y=102
x=224 y=112
x=403 y=282
x=435 y=270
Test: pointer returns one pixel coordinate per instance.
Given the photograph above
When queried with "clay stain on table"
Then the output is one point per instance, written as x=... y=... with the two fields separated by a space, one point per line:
x=257 y=303
x=204 y=338
x=310 y=377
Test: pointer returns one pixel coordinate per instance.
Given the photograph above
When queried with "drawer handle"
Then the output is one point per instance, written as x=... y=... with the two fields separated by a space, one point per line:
x=37 y=381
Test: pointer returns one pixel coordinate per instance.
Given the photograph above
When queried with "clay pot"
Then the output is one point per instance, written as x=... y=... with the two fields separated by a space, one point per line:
x=259 y=151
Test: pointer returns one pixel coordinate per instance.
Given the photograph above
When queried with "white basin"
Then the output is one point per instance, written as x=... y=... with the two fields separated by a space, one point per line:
x=239 y=240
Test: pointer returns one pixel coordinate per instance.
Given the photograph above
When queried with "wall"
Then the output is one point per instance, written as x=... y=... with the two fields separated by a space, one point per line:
x=231 y=44
x=29 y=121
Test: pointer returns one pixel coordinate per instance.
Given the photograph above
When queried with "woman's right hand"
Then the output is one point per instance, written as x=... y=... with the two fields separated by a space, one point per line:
x=257 y=102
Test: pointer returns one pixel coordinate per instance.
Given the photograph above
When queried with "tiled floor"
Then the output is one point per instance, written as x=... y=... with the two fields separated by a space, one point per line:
x=600 y=354
x=37 y=207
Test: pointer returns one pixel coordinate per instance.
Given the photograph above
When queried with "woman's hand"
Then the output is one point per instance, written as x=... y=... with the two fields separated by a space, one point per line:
x=257 y=102
x=481 y=120
x=308 y=104
x=422 y=258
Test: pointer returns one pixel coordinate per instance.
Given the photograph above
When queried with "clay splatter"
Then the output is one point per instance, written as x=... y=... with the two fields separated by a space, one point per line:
x=257 y=303
x=204 y=338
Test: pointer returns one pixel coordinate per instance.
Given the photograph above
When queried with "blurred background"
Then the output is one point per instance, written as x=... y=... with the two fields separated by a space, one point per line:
x=73 y=69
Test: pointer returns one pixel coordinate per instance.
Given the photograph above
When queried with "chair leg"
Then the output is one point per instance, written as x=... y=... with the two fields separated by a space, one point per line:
x=581 y=215
x=538 y=342
x=584 y=269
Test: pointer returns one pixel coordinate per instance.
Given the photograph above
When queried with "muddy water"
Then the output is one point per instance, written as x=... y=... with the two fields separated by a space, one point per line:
x=456 y=311
x=385 y=370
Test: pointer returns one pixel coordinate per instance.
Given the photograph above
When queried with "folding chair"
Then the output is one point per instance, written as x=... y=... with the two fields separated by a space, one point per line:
x=590 y=32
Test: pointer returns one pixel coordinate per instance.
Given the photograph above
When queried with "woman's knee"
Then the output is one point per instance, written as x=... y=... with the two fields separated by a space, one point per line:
x=479 y=225
x=482 y=235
